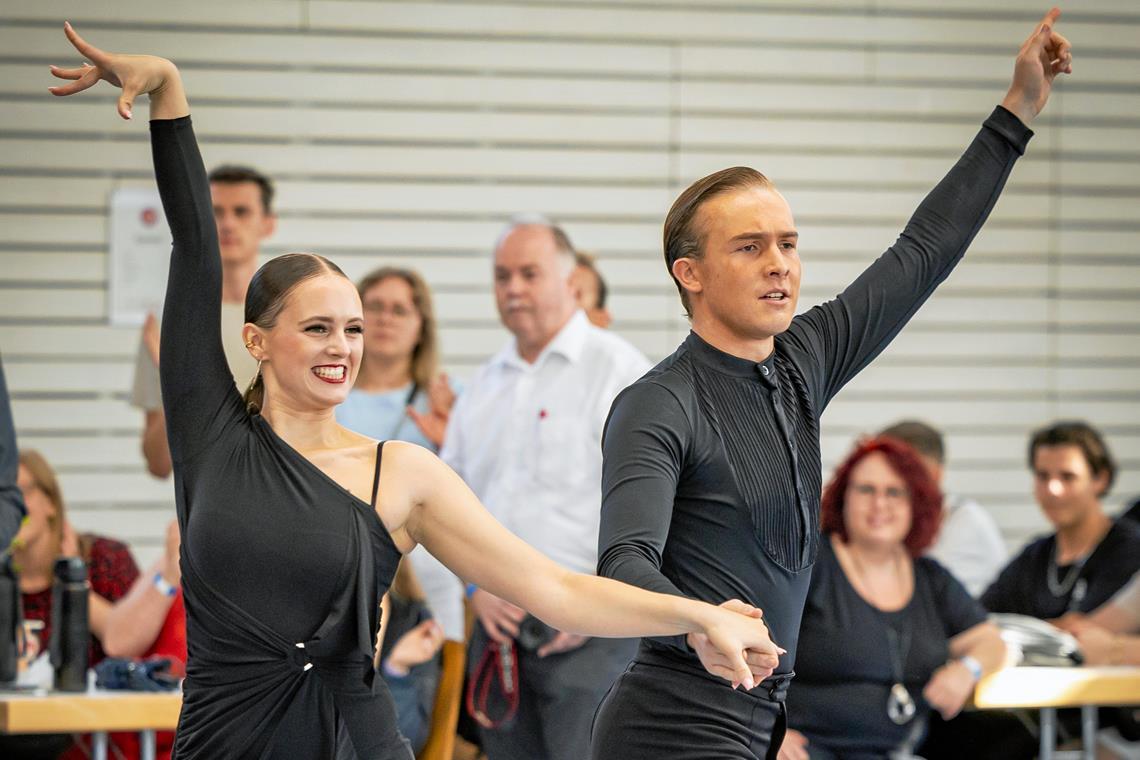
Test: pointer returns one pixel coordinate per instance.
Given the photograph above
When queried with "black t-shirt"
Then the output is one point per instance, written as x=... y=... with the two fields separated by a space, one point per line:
x=1023 y=586
x=845 y=668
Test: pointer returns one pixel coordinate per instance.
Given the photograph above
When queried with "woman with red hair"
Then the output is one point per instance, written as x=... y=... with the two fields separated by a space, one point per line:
x=887 y=634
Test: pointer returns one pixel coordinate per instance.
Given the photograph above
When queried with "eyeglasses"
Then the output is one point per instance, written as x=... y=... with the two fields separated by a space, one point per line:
x=379 y=308
x=868 y=491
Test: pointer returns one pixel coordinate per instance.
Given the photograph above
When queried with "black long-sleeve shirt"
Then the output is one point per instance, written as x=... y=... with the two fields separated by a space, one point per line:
x=711 y=477
x=1021 y=587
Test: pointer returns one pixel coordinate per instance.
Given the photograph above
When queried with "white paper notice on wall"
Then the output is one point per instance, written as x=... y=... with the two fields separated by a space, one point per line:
x=139 y=255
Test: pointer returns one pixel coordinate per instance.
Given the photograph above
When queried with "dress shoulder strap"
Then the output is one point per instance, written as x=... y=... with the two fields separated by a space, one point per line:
x=376 y=477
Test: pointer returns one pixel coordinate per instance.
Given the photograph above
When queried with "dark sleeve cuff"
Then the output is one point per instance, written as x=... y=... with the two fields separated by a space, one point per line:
x=1010 y=127
x=161 y=125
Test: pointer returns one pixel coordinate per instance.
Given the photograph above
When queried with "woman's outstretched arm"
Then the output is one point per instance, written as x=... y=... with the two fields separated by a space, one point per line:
x=424 y=499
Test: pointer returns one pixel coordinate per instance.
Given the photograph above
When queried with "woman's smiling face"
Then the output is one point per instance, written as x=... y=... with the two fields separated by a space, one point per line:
x=312 y=353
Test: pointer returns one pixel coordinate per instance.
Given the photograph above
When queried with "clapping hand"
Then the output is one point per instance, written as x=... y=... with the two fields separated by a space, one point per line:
x=441 y=398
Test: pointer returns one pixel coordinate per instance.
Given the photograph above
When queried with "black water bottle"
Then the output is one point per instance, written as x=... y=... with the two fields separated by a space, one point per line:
x=9 y=619
x=69 y=631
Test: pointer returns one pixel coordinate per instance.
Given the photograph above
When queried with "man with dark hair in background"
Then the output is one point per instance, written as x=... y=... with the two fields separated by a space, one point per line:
x=591 y=289
x=243 y=211
x=1090 y=556
x=969 y=543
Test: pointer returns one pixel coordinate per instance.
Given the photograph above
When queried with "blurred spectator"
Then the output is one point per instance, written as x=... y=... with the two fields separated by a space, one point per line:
x=887 y=634
x=243 y=211
x=409 y=655
x=400 y=394
x=44 y=537
x=525 y=435
x=969 y=543
x=1076 y=569
x=590 y=289
x=1089 y=557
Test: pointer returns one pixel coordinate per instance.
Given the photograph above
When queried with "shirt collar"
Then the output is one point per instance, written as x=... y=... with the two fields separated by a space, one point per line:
x=569 y=342
x=709 y=355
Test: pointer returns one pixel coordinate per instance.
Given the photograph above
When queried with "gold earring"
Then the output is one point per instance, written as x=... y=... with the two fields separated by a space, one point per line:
x=249 y=344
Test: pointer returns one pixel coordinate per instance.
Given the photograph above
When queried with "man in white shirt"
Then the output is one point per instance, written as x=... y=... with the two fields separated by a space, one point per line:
x=243 y=212
x=969 y=542
x=526 y=437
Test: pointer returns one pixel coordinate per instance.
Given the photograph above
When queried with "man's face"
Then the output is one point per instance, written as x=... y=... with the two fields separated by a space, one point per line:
x=1064 y=485
x=586 y=289
x=241 y=219
x=532 y=286
x=748 y=279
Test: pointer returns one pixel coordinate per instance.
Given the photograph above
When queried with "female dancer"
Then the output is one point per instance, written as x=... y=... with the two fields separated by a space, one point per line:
x=288 y=541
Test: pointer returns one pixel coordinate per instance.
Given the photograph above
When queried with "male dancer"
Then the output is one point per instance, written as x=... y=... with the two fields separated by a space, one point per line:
x=711 y=479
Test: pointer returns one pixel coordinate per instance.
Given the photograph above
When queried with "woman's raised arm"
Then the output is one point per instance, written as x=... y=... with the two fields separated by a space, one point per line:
x=198 y=391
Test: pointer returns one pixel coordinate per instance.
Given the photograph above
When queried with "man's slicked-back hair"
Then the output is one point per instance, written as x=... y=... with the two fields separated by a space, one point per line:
x=232 y=174
x=683 y=239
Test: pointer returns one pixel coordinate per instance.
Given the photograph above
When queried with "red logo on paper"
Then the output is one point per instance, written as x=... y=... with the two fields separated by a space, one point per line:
x=149 y=216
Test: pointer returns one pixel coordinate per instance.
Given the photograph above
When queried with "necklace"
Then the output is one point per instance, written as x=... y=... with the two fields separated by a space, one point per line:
x=1059 y=587
x=900 y=704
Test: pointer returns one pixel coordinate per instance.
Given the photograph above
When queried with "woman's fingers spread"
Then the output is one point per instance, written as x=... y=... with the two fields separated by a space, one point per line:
x=79 y=85
x=75 y=73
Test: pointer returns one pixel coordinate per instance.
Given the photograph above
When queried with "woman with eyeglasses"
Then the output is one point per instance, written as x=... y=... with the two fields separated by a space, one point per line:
x=292 y=525
x=887 y=635
x=399 y=393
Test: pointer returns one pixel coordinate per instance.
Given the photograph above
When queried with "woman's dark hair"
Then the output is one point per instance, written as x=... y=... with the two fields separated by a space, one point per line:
x=925 y=497
x=1086 y=438
x=266 y=297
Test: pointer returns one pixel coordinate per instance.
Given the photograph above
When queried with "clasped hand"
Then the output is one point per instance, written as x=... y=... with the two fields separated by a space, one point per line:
x=749 y=664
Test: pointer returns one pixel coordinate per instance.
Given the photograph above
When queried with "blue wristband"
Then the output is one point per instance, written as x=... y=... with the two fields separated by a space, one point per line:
x=471 y=589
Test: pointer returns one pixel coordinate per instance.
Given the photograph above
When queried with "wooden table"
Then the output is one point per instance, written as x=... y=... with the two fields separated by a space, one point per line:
x=96 y=712
x=1047 y=689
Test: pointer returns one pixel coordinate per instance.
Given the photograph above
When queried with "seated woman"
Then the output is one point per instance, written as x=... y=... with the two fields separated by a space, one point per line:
x=44 y=537
x=409 y=655
x=400 y=395
x=887 y=634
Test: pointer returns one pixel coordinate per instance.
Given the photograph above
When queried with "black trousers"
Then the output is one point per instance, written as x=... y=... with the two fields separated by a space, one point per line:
x=558 y=696
x=653 y=712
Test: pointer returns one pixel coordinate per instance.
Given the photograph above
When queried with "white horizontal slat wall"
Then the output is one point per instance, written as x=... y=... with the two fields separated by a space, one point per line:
x=405 y=132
